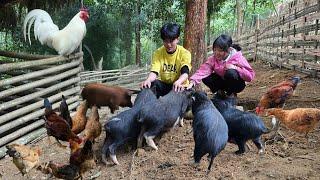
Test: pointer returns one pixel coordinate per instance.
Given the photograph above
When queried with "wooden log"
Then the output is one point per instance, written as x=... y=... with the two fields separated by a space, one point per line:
x=25 y=139
x=29 y=64
x=32 y=116
x=21 y=111
x=38 y=73
x=25 y=56
x=39 y=83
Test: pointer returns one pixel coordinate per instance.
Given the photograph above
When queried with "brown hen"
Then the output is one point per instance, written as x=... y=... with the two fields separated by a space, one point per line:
x=56 y=126
x=302 y=120
x=79 y=120
x=93 y=128
x=82 y=157
x=277 y=95
x=24 y=157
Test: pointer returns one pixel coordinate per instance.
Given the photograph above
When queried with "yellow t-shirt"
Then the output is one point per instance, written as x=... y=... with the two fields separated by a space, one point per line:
x=168 y=66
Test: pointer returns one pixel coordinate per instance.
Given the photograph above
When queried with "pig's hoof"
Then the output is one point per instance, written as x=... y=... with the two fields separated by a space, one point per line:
x=261 y=151
x=114 y=159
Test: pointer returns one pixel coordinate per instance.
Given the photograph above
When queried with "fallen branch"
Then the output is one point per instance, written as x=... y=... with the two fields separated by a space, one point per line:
x=305 y=157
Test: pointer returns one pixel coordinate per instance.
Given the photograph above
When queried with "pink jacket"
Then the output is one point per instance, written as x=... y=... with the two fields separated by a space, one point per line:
x=217 y=66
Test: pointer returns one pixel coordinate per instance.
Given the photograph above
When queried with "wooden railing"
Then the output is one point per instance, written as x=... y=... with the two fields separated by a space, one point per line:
x=126 y=77
x=289 y=40
x=24 y=82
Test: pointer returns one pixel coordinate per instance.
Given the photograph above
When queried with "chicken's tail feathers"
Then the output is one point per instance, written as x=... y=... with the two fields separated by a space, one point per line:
x=47 y=104
x=38 y=17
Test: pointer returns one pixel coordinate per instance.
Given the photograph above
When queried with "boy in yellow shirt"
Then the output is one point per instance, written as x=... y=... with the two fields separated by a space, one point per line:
x=171 y=63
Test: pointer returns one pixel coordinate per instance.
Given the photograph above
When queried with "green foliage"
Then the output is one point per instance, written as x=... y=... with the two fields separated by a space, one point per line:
x=111 y=27
x=225 y=19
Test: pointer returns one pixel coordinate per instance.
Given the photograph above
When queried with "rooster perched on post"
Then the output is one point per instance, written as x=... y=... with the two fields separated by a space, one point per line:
x=64 y=41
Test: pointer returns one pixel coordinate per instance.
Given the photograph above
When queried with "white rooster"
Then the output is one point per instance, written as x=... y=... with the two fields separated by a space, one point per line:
x=64 y=41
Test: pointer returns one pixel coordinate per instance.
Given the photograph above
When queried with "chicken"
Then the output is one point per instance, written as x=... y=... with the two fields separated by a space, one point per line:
x=93 y=128
x=277 y=95
x=64 y=111
x=64 y=41
x=79 y=120
x=302 y=120
x=56 y=126
x=66 y=171
x=24 y=157
x=82 y=157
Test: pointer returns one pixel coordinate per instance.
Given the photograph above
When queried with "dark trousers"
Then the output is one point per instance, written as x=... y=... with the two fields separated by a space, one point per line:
x=161 y=88
x=231 y=82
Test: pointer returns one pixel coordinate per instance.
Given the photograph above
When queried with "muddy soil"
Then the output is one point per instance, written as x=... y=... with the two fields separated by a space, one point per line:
x=295 y=158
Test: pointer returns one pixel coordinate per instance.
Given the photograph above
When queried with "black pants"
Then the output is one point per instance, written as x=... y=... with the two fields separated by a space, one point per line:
x=161 y=87
x=231 y=82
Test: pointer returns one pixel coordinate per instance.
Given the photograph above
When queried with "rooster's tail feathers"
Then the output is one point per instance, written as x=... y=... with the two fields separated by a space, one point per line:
x=38 y=17
x=47 y=104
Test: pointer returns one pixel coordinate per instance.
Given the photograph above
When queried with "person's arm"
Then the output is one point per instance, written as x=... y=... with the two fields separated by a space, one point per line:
x=178 y=84
x=204 y=71
x=151 y=77
x=245 y=70
x=155 y=69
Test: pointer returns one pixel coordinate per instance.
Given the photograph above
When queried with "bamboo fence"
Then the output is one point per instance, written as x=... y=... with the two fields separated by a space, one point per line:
x=129 y=77
x=290 y=40
x=25 y=80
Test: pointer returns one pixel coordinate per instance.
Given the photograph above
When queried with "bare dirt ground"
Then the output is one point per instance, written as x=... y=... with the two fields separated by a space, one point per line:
x=298 y=158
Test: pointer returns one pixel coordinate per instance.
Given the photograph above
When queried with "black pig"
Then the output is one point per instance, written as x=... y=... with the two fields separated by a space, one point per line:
x=210 y=131
x=124 y=126
x=243 y=126
x=161 y=116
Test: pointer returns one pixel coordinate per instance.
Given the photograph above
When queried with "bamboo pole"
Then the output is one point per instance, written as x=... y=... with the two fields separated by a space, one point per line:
x=98 y=74
x=21 y=111
x=29 y=64
x=8 y=138
x=111 y=78
x=24 y=56
x=33 y=115
x=107 y=71
x=38 y=83
x=38 y=73
x=25 y=139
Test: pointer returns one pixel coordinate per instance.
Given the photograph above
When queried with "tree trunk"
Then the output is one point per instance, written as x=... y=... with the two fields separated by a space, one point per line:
x=194 y=36
x=239 y=17
x=208 y=30
x=137 y=32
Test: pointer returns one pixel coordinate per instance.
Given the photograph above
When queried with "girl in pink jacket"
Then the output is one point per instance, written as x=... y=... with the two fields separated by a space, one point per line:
x=226 y=70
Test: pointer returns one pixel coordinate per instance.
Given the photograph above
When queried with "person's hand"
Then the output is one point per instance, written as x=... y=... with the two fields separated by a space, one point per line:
x=191 y=84
x=177 y=86
x=230 y=66
x=145 y=84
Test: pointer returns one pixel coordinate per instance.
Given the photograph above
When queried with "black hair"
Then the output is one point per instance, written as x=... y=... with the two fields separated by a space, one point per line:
x=224 y=42
x=170 y=31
